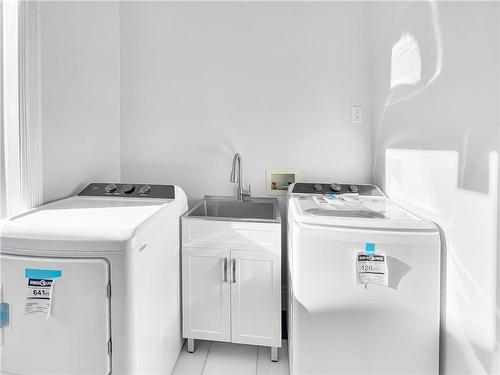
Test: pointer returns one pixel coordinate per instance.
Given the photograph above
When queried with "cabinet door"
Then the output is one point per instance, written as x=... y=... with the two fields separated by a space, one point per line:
x=206 y=294
x=256 y=298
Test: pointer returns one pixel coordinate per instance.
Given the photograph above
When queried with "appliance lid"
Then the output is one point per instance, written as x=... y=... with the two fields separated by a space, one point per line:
x=87 y=223
x=352 y=210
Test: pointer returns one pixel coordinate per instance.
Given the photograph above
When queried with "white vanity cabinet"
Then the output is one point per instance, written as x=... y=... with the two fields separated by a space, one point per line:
x=231 y=282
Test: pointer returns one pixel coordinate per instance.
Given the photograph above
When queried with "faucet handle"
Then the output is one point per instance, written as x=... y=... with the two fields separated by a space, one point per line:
x=246 y=193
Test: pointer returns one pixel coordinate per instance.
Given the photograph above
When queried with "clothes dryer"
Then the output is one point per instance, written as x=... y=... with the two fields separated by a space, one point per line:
x=90 y=283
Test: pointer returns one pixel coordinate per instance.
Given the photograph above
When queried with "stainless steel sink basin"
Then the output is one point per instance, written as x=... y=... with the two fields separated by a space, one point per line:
x=227 y=208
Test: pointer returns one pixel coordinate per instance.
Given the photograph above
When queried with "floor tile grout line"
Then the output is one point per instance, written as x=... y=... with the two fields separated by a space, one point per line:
x=206 y=357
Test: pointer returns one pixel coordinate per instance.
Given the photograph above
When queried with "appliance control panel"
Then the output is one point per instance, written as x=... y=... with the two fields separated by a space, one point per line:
x=98 y=189
x=334 y=188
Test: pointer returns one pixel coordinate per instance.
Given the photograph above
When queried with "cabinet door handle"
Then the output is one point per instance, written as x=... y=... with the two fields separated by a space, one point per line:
x=234 y=270
x=225 y=270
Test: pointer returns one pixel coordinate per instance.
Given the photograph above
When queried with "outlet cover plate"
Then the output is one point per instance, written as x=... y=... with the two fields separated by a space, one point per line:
x=357 y=114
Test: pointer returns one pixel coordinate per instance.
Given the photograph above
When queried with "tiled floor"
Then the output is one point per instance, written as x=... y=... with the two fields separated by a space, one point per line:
x=220 y=358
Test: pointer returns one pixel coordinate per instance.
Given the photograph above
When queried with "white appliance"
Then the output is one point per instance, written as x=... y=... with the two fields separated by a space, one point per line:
x=90 y=283
x=388 y=323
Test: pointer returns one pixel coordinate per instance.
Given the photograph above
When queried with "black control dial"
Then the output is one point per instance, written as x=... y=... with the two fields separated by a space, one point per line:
x=145 y=189
x=110 y=188
x=128 y=189
x=336 y=187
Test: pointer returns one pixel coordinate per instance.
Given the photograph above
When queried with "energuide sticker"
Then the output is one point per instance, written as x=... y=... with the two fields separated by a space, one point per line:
x=371 y=267
x=40 y=289
x=38 y=299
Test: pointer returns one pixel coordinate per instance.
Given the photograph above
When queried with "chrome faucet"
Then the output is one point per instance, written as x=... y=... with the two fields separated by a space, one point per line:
x=237 y=178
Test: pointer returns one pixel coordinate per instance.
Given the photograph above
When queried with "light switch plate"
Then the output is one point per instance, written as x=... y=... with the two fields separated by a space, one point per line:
x=357 y=114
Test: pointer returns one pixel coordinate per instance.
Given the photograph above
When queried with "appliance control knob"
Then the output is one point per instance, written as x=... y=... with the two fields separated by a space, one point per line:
x=110 y=188
x=336 y=187
x=353 y=188
x=127 y=189
x=318 y=188
x=145 y=189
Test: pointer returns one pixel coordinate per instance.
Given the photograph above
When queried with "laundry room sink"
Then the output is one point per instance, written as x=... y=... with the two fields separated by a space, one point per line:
x=228 y=208
x=231 y=272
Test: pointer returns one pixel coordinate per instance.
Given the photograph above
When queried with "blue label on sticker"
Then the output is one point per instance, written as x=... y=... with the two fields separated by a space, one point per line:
x=370 y=248
x=32 y=273
x=332 y=196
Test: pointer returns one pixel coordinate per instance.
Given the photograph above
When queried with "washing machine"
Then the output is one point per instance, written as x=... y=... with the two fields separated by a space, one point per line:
x=364 y=283
x=90 y=283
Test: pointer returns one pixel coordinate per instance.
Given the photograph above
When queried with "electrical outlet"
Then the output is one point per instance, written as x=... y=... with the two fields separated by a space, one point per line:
x=357 y=114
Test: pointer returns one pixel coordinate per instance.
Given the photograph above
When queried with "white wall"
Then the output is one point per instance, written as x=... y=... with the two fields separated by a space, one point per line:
x=80 y=95
x=436 y=146
x=272 y=81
